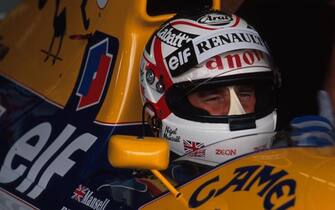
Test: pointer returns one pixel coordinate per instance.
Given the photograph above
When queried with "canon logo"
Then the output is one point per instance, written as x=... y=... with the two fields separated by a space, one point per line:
x=215 y=19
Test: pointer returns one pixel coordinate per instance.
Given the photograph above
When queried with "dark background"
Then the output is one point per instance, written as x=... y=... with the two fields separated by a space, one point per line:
x=300 y=36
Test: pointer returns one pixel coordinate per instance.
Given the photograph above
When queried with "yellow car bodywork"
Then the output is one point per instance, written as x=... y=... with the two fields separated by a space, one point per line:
x=290 y=178
x=295 y=178
x=28 y=30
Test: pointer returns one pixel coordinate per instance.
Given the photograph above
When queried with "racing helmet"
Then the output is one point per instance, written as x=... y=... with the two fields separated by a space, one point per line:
x=208 y=77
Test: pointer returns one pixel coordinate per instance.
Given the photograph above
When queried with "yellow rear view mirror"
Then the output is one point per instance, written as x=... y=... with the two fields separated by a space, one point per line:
x=138 y=153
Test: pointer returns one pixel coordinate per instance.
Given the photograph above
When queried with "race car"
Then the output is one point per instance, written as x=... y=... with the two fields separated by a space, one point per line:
x=71 y=114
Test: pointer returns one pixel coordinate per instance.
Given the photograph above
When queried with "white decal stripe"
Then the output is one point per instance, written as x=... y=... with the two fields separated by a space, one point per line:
x=12 y=202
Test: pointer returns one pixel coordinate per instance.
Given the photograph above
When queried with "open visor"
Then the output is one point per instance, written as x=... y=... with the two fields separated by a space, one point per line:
x=220 y=99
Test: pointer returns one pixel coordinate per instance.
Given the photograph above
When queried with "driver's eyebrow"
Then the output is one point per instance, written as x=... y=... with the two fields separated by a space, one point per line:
x=210 y=91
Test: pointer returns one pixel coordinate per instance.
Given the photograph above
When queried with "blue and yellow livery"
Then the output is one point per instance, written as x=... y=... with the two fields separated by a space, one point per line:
x=69 y=88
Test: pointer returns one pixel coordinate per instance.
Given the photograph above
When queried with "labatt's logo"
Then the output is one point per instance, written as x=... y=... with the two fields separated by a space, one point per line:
x=215 y=19
x=270 y=186
x=173 y=37
x=84 y=195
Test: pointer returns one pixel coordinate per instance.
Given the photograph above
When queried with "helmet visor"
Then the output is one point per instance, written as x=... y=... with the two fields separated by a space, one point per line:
x=224 y=100
x=218 y=99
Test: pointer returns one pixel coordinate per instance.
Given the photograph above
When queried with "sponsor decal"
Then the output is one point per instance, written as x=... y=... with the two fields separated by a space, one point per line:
x=59 y=30
x=215 y=19
x=60 y=25
x=37 y=163
x=226 y=39
x=181 y=59
x=171 y=36
x=194 y=148
x=171 y=134
x=226 y=152
x=84 y=18
x=85 y=196
x=268 y=183
x=217 y=42
x=9 y=201
x=96 y=70
x=236 y=60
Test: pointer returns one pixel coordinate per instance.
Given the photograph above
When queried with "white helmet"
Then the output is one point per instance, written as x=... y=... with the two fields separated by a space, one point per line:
x=194 y=55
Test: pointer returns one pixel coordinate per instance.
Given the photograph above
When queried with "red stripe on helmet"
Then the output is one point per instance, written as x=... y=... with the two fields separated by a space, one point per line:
x=236 y=22
x=191 y=24
x=161 y=68
x=162 y=110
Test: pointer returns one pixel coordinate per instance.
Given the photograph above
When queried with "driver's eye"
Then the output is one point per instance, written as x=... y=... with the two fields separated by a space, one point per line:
x=246 y=94
x=245 y=90
x=213 y=96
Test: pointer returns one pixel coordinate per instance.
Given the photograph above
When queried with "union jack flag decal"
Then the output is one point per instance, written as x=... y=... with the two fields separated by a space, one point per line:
x=79 y=193
x=194 y=148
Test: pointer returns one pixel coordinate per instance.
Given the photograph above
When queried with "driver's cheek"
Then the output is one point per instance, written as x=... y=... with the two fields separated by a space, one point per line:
x=249 y=105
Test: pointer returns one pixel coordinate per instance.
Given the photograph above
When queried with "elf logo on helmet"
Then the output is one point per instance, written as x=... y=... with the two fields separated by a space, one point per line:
x=215 y=19
x=181 y=59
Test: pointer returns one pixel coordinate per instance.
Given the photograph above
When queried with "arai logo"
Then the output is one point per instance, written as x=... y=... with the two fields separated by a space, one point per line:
x=215 y=19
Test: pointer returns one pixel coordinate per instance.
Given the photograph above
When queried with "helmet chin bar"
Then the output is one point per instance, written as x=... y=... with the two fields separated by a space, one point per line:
x=241 y=123
x=235 y=107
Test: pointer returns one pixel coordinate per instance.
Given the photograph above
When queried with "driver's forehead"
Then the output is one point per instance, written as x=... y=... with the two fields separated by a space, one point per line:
x=205 y=92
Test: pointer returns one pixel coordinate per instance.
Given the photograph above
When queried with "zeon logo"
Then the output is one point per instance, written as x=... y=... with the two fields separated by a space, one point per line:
x=215 y=19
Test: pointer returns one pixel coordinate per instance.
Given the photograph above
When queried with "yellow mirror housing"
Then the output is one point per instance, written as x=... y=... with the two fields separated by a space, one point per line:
x=138 y=153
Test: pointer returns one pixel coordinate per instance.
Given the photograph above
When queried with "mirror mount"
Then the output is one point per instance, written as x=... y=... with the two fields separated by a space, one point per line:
x=150 y=153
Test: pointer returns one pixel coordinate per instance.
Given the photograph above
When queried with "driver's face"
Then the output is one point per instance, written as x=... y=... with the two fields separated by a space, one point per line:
x=217 y=101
